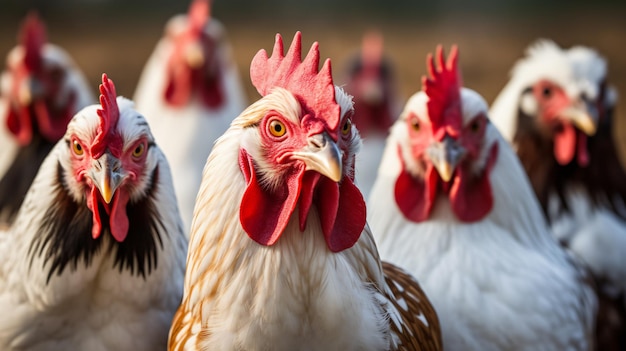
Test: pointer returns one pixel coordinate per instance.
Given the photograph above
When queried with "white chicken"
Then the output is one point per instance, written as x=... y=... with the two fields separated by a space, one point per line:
x=40 y=90
x=280 y=255
x=557 y=110
x=190 y=91
x=95 y=259
x=453 y=206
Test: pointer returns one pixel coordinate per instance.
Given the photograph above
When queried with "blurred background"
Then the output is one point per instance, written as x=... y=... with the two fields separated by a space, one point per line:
x=117 y=36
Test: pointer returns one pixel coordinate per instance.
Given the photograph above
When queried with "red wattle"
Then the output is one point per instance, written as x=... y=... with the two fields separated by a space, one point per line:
x=309 y=181
x=262 y=214
x=565 y=144
x=415 y=197
x=582 y=152
x=92 y=204
x=342 y=213
x=20 y=125
x=118 y=219
x=470 y=197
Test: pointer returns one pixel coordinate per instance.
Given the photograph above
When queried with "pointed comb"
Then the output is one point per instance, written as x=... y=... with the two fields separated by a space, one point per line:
x=109 y=116
x=314 y=89
x=198 y=14
x=443 y=89
x=33 y=38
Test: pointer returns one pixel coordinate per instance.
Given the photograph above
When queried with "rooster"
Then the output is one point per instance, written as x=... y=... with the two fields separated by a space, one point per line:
x=557 y=110
x=95 y=258
x=190 y=91
x=280 y=256
x=40 y=90
x=453 y=206
x=371 y=83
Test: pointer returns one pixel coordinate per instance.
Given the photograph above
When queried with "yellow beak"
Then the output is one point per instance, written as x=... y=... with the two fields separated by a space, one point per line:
x=445 y=156
x=106 y=175
x=322 y=155
x=580 y=118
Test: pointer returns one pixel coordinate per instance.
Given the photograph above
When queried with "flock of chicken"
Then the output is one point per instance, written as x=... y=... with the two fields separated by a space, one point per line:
x=188 y=221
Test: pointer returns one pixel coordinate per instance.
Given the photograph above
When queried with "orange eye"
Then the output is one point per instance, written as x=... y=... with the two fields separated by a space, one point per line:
x=345 y=129
x=77 y=148
x=415 y=124
x=139 y=150
x=277 y=128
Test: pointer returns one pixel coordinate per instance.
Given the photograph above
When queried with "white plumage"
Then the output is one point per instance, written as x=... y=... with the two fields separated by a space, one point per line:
x=61 y=289
x=593 y=230
x=55 y=82
x=186 y=133
x=498 y=283
x=299 y=292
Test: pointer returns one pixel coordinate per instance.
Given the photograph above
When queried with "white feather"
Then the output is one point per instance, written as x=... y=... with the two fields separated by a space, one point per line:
x=293 y=295
x=186 y=134
x=97 y=307
x=500 y=283
x=75 y=82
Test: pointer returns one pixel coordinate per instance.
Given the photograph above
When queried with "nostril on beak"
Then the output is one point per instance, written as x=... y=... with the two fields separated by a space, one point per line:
x=317 y=141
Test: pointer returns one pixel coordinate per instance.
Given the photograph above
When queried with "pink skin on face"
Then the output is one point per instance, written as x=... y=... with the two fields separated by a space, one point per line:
x=264 y=213
x=132 y=165
x=470 y=195
x=568 y=140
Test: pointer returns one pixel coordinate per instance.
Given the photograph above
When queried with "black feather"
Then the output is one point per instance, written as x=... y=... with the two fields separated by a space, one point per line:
x=65 y=237
x=19 y=176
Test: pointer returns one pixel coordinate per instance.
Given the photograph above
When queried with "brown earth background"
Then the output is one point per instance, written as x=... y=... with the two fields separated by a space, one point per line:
x=116 y=36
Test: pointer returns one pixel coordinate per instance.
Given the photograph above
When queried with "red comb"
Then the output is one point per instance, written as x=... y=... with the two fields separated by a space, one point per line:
x=444 y=92
x=33 y=38
x=109 y=115
x=198 y=14
x=314 y=89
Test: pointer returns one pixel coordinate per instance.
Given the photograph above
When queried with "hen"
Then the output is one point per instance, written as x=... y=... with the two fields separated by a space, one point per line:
x=453 y=206
x=371 y=82
x=190 y=91
x=40 y=90
x=280 y=256
x=95 y=258
x=557 y=110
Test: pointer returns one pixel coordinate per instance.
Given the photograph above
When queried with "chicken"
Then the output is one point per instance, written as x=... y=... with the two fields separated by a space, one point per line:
x=370 y=80
x=40 y=90
x=453 y=206
x=280 y=256
x=190 y=91
x=557 y=110
x=95 y=258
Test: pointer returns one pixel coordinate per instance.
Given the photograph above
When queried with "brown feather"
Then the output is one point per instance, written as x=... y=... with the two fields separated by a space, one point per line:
x=413 y=334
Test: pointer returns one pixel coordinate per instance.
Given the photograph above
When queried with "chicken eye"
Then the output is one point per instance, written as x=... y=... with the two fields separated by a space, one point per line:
x=546 y=92
x=475 y=126
x=415 y=124
x=345 y=130
x=139 y=150
x=77 y=148
x=277 y=128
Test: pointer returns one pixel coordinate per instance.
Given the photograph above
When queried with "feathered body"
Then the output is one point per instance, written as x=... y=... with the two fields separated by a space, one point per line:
x=40 y=90
x=474 y=235
x=311 y=281
x=74 y=278
x=563 y=136
x=371 y=82
x=190 y=91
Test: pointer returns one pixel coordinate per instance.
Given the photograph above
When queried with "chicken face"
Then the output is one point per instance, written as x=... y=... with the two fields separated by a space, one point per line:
x=445 y=148
x=568 y=120
x=299 y=151
x=109 y=168
x=193 y=64
x=41 y=100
